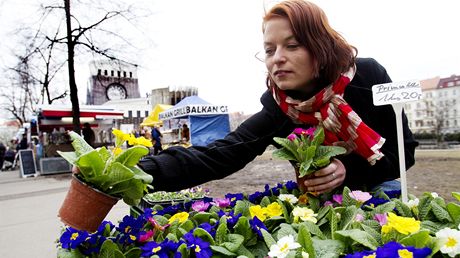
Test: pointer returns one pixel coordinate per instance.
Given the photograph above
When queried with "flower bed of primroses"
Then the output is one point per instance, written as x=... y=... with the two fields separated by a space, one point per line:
x=280 y=222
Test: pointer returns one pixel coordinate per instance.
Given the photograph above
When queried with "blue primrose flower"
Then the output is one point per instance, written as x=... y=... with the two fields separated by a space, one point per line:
x=255 y=197
x=162 y=249
x=393 y=193
x=360 y=254
x=276 y=189
x=375 y=201
x=291 y=185
x=201 y=248
x=392 y=249
x=210 y=229
x=72 y=238
x=256 y=225
x=234 y=197
x=130 y=229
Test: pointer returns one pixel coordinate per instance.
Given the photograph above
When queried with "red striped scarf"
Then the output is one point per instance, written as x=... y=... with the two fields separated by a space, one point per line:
x=341 y=123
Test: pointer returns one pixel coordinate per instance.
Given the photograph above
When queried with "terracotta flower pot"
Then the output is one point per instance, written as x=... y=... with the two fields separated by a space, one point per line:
x=84 y=208
x=300 y=181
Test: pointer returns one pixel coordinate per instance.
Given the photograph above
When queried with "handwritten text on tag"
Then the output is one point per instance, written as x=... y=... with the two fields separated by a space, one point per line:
x=396 y=92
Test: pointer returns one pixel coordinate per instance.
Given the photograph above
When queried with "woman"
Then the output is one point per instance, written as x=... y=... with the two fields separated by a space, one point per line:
x=313 y=78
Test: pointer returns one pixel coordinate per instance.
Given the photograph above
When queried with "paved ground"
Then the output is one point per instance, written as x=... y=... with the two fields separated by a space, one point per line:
x=29 y=225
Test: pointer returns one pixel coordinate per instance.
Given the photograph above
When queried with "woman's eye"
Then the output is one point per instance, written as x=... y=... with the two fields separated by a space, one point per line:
x=293 y=46
x=269 y=51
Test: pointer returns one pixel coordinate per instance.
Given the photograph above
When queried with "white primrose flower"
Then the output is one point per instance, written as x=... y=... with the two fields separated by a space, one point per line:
x=434 y=194
x=305 y=255
x=289 y=198
x=305 y=214
x=412 y=203
x=449 y=239
x=283 y=246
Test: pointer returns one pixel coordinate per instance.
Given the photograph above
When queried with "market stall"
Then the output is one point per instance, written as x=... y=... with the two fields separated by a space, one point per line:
x=206 y=122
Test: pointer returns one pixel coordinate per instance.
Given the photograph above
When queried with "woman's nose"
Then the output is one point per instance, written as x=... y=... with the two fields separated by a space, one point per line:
x=279 y=56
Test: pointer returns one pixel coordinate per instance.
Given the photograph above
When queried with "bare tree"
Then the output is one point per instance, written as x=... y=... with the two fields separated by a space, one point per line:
x=91 y=27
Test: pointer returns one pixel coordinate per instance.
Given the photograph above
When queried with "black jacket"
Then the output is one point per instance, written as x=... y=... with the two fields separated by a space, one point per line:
x=178 y=168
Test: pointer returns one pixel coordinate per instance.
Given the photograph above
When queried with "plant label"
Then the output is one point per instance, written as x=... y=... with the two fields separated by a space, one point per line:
x=396 y=92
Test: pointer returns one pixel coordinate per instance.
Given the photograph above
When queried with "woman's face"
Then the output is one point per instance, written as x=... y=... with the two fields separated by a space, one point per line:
x=289 y=64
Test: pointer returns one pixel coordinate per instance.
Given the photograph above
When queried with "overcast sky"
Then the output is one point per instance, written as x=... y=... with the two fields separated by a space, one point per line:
x=210 y=44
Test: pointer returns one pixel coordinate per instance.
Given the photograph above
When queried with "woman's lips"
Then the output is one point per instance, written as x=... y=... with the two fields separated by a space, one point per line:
x=281 y=73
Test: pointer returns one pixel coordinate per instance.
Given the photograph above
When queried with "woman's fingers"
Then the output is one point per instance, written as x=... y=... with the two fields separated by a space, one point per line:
x=327 y=178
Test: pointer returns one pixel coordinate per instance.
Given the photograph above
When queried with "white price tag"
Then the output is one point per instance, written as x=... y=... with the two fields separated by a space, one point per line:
x=396 y=92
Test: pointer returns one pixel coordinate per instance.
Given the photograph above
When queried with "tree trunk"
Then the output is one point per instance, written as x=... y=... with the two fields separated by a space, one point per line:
x=70 y=61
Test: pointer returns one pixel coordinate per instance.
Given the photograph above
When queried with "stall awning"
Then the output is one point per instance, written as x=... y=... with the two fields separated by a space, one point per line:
x=96 y=112
x=153 y=118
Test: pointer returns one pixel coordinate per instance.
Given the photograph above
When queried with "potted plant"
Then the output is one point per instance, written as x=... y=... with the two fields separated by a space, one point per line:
x=104 y=177
x=304 y=147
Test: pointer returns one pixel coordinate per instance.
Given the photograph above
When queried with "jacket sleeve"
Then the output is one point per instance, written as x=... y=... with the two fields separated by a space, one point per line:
x=177 y=167
x=360 y=174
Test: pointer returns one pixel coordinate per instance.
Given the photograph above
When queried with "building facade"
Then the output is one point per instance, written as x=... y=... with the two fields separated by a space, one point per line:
x=111 y=80
x=438 y=111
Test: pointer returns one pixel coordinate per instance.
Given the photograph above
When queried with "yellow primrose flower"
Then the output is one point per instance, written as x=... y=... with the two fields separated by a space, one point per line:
x=132 y=140
x=305 y=214
x=144 y=142
x=257 y=211
x=181 y=217
x=119 y=134
x=403 y=225
x=274 y=209
x=404 y=253
x=117 y=151
x=370 y=256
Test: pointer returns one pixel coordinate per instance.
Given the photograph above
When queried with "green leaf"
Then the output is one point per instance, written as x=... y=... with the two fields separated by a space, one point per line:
x=285 y=230
x=440 y=213
x=288 y=146
x=328 y=248
x=424 y=207
x=347 y=217
x=373 y=232
x=268 y=238
x=304 y=239
x=456 y=195
x=71 y=156
x=359 y=236
x=131 y=156
x=333 y=222
x=318 y=136
x=110 y=250
x=201 y=217
x=233 y=242
x=90 y=164
x=72 y=253
x=243 y=252
x=133 y=252
x=419 y=239
x=346 y=198
x=402 y=208
x=433 y=227
x=221 y=231
x=118 y=173
x=104 y=154
x=384 y=208
x=283 y=154
x=221 y=250
x=141 y=175
x=242 y=207
x=454 y=211
x=243 y=228
x=313 y=229
x=79 y=144
x=203 y=234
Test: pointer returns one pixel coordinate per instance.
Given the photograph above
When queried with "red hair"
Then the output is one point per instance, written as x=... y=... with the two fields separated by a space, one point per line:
x=310 y=26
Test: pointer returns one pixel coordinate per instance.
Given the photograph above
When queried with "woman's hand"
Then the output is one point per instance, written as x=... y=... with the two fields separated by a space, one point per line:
x=75 y=170
x=327 y=178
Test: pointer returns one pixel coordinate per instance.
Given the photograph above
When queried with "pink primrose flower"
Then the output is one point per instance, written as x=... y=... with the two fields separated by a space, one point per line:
x=328 y=203
x=360 y=196
x=146 y=236
x=292 y=137
x=221 y=202
x=381 y=218
x=338 y=198
x=359 y=217
x=200 y=206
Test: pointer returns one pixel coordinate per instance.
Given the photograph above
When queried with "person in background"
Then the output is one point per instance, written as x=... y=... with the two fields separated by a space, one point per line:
x=156 y=140
x=2 y=155
x=23 y=144
x=88 y=134
x=185 y=133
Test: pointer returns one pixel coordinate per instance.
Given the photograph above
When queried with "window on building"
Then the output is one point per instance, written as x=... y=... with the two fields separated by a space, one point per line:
x=130 y=114
x=98 y=71
x=124 y=74
x=119 y=74
x=146 y=113
x=138 y=113
x=450 y=84
x=105 y=72
x=130 y=74
x=455 y=122
x=112 y=73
